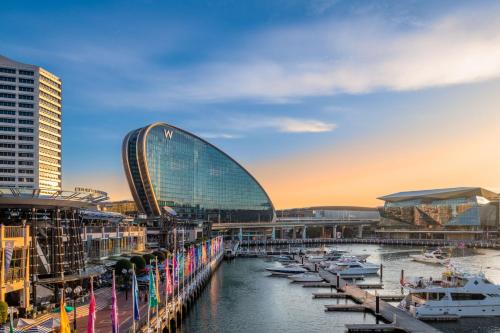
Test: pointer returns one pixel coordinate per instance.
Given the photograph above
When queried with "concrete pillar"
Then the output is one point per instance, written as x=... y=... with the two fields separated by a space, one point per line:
x=360 y=231
x=304 y=232
x=273 y=234
x=294 y=235
x=323 y=232
x=334 y=232
x=240 y=235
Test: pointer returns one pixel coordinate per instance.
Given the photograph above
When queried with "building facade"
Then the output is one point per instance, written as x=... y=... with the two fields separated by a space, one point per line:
x=30 y=127
x=451 y=213
x=167 y=166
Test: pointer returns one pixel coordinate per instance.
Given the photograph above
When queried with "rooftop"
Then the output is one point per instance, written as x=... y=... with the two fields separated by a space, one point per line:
x=441 y=193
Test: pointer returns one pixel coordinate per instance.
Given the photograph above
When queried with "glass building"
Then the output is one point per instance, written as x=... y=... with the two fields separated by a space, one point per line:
x=451 y=209
x=167 y=166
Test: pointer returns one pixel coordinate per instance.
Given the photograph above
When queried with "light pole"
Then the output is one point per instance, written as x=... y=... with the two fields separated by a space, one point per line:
x=126 y=274
x=76 y=292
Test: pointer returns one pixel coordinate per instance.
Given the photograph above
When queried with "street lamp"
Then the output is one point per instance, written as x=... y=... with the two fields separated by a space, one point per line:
x=76 y=292
x=126 y=274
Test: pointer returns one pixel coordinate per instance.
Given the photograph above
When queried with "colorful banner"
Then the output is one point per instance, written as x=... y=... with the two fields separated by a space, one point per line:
x=92 y=314
x=114 y=308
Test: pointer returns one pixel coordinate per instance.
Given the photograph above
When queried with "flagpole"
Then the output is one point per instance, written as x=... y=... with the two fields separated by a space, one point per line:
x=149 y=296
x=166 y=290
x=157 y=303
x=133 y=298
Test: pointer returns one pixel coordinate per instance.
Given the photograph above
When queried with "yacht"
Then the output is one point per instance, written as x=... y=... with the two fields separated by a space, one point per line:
x=455 y=294
x=353 y=268
x=306 y=277
x=286 y=270
x=432 y=257
x=343 y=259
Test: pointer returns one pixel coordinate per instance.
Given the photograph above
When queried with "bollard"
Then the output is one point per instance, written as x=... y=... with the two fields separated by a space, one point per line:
x=338 y=281
x=377 y=304
x=381 y=272
x=402 y=280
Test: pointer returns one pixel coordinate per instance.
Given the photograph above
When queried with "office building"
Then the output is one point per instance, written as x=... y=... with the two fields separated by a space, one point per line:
x=30 y=127
x=167 y=166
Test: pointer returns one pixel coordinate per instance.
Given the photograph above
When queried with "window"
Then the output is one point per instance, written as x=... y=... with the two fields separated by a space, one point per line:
x=23 y=72
x=9 y=112
x=29 y=81
x=25 y=154
x=26 y=105
x=26 y=97
x=26 y=171
x=25 y=146
x=27 y=89
x=25 y=121
x=8 y=120
x=7 y=70
x=25 y=130
x=8 y=162
x=7 y=179
x=7 y=95
x=25 y=162
x=25 y=180
x=2 y=103
x=26 y=113
x=7 y=153
x=7 y=145
x=7 y=137
x=7 y=87
x=7 y=129
x=467 y=297
x=25 y=138
x=7 y=170
x=7 y=79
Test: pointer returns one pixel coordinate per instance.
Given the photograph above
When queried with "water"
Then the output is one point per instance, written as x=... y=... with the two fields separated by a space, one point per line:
x=241 y=297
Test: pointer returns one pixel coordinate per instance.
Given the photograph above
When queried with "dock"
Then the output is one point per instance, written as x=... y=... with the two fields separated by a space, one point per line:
x=400 y=320
x=387 y=298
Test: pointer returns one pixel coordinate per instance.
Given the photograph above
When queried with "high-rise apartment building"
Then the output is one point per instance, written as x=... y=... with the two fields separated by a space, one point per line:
x=30 y=127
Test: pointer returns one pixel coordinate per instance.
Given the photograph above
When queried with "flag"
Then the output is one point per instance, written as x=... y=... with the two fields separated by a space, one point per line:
x=114 y=308
x=64 y=321
x=135 y=295
x=153 y=301
x=91 y=318
x=11 y=323
x=168 y=282
x=157 y=281
x=9 y=250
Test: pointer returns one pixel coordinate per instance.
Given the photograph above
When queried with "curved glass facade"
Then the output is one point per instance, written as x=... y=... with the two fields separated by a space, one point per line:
x=167 y=166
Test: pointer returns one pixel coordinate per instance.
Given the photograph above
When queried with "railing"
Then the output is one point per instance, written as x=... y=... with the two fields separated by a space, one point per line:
x=13 y=232
x=182 y=291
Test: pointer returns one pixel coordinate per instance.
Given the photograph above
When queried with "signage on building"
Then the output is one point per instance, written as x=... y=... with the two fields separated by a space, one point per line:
x=168 y=133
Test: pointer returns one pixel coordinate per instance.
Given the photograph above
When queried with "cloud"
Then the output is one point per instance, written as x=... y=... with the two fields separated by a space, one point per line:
x=280 y=124
x=219 y=136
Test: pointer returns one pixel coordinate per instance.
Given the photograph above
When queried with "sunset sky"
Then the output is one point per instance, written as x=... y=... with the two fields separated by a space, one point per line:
x=326 y=102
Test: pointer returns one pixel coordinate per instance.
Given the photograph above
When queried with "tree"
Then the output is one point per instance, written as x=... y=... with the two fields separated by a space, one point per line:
x=148 y=258
x=139 y=262
x=4 y=312
x=121 y=265
x=160 y=255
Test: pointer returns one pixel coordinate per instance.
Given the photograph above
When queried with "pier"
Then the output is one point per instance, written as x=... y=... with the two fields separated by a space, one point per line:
x=398 y=319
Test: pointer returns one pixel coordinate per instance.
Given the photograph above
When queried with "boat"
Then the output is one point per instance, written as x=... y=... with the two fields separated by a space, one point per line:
x=353 y=268
x=343 y=259
x=437 y=257
x=286 y=270
x=306 y=277
x=456 y=294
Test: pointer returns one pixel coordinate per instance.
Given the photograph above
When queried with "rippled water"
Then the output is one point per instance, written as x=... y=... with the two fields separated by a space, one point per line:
x=241 y=296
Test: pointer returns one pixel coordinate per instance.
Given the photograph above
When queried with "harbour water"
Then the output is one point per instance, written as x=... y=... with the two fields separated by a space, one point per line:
x=241 y=296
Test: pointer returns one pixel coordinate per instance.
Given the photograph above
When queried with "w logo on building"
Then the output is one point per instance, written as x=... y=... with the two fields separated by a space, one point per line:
x=168 y=134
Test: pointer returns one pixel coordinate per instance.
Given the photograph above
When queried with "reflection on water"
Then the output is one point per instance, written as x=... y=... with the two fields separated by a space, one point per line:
x=241 y=297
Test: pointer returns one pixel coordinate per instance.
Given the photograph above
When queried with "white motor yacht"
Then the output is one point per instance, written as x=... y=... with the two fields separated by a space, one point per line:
x=287 y=270
x=437 y=257
x=456 y=294
x=354 y=268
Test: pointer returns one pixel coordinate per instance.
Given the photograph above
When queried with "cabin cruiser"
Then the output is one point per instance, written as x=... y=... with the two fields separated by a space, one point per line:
x=353 y=268
x=343 y=259
x=287 y=270
x=306 y=277
x=432 y=257
x=456 y=295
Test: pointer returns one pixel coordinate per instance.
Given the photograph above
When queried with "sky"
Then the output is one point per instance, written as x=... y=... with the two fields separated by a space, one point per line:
x=325 y=102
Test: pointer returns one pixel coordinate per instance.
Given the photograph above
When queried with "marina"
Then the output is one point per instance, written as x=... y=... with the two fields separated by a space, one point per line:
x=258 y=290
